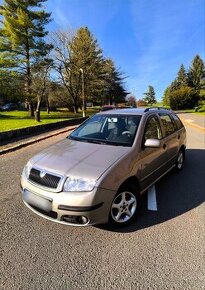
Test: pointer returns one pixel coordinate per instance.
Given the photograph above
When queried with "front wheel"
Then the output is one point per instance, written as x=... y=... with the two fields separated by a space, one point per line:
x=124 y=206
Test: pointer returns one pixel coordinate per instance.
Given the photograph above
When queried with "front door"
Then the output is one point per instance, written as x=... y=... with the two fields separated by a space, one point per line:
x=153 y=161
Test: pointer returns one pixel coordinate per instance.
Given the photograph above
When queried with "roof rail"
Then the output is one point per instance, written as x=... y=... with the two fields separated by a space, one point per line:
x=155 y=108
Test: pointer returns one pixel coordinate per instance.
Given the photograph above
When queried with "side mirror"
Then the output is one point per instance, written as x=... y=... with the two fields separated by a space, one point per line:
x=152 y=143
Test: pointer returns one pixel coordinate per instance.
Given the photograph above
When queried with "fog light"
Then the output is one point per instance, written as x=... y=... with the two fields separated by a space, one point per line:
x=83 y=220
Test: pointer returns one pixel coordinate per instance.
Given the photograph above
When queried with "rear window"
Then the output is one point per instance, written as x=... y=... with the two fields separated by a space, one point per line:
x=167 y=123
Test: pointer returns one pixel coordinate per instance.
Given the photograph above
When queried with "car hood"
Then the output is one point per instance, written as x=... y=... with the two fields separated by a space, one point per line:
x=79 y=159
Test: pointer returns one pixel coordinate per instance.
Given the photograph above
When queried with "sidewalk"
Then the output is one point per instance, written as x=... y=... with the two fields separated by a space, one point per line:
x=17 y=143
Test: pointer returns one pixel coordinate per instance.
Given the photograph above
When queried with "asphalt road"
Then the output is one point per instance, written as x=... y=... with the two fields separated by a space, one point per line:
x=161 y=250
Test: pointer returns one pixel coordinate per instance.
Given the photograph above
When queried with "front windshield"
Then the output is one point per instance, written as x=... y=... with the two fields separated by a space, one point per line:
x=118 y=130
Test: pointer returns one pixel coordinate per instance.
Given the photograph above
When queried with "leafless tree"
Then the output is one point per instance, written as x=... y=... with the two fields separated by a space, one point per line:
x=41 y=86
x=67 y=74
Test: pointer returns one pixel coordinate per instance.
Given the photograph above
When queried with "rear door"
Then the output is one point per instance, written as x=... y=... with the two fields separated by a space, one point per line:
x=171 y=137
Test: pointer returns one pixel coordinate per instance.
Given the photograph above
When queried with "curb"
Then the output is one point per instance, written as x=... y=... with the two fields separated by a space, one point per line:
x=30 y=142
x=40 y=129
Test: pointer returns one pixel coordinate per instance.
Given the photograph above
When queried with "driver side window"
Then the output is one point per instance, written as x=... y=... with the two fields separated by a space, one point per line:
x=152 y=129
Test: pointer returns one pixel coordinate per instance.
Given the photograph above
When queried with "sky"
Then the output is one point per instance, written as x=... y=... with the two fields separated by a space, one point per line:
x=147 y=39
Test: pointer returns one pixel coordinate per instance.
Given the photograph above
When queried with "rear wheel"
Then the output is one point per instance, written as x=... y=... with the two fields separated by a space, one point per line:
x=124 y=206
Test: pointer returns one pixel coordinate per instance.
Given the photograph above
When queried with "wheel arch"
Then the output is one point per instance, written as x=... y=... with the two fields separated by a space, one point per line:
x=133 y=180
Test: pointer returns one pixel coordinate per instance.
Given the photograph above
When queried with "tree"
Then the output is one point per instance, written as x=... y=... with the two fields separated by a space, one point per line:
x=187 y=88
x=87 y=55
x=79 y=61
x=174 y=86
x=22 y=43
x=132 y=101
x=183 y=98
x=196 y=73
x=141 y=103
x=10 y=86
x=150 y=96
x=182 y=77
x=77 y=53
x=113 y=90
x=166 y=97
x=41 y=84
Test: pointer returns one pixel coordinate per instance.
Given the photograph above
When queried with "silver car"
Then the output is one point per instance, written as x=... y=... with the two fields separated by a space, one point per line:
x=97 y=174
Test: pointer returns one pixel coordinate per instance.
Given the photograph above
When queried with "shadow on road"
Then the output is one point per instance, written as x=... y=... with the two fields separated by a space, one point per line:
x=177 y=193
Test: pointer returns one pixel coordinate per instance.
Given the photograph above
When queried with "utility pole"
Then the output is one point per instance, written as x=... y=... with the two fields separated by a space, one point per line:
x=83 y=91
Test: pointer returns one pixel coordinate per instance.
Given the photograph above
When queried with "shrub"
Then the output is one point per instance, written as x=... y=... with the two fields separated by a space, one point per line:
x=183 y=98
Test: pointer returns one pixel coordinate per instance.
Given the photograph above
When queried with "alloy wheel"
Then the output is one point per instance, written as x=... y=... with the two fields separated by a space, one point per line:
x=123 y=207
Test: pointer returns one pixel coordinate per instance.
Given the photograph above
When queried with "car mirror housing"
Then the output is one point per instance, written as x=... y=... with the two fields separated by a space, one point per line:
x=152 y=143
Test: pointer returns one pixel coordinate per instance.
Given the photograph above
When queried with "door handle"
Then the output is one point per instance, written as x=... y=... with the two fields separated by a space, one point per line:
x=164 y=146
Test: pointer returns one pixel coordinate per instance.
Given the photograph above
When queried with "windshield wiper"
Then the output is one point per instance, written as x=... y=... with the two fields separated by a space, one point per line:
x=96 y=141
x=87 y=140
x=102 y=142
x=74 y=138
x=118 y=144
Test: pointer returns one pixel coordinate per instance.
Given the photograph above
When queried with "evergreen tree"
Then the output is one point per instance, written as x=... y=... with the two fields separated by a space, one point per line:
x=174 y=86
x=182 y=77
x=150 y=96
x=166 y=97
x=183 y=98
x=113 y=90
x=86 y=56
x=196 y=72
x=22 y=34
x=10 y=87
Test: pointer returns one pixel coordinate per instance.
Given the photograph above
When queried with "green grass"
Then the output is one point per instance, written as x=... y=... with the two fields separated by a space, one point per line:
x=21 y=119
x=192 y=111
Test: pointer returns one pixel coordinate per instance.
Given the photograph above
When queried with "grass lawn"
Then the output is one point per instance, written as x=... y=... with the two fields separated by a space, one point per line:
x=21 y=119
x=192 y=111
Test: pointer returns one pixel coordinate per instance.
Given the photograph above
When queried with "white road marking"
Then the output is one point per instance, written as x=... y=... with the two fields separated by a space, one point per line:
x=152 y=200
x=189 y=120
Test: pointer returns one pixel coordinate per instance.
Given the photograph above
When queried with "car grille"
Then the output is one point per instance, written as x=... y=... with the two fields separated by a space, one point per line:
x=47 y=180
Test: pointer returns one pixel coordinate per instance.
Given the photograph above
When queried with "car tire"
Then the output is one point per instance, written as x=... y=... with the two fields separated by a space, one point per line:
x=124 y=206
x=180 y=161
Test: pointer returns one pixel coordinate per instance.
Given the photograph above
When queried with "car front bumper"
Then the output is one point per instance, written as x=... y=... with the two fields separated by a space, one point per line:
x=70 y=208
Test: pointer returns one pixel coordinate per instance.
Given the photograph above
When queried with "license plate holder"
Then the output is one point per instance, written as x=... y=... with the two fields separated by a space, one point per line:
x=37 y=200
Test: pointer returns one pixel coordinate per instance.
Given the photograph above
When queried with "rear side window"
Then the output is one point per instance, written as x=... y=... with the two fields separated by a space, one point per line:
x=167 y=123
x=177 y=122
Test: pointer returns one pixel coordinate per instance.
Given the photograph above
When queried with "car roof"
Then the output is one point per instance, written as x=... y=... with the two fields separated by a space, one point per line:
x=135 y=111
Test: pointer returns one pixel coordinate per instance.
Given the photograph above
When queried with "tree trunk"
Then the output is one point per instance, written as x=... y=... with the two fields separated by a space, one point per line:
x=75 y=106
x=28 y=79
x=38 y=108
x=47 y=105
x=31 y=109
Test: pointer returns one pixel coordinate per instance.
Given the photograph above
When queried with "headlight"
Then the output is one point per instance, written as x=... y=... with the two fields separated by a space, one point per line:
x=78 y=184
x=27 y=169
